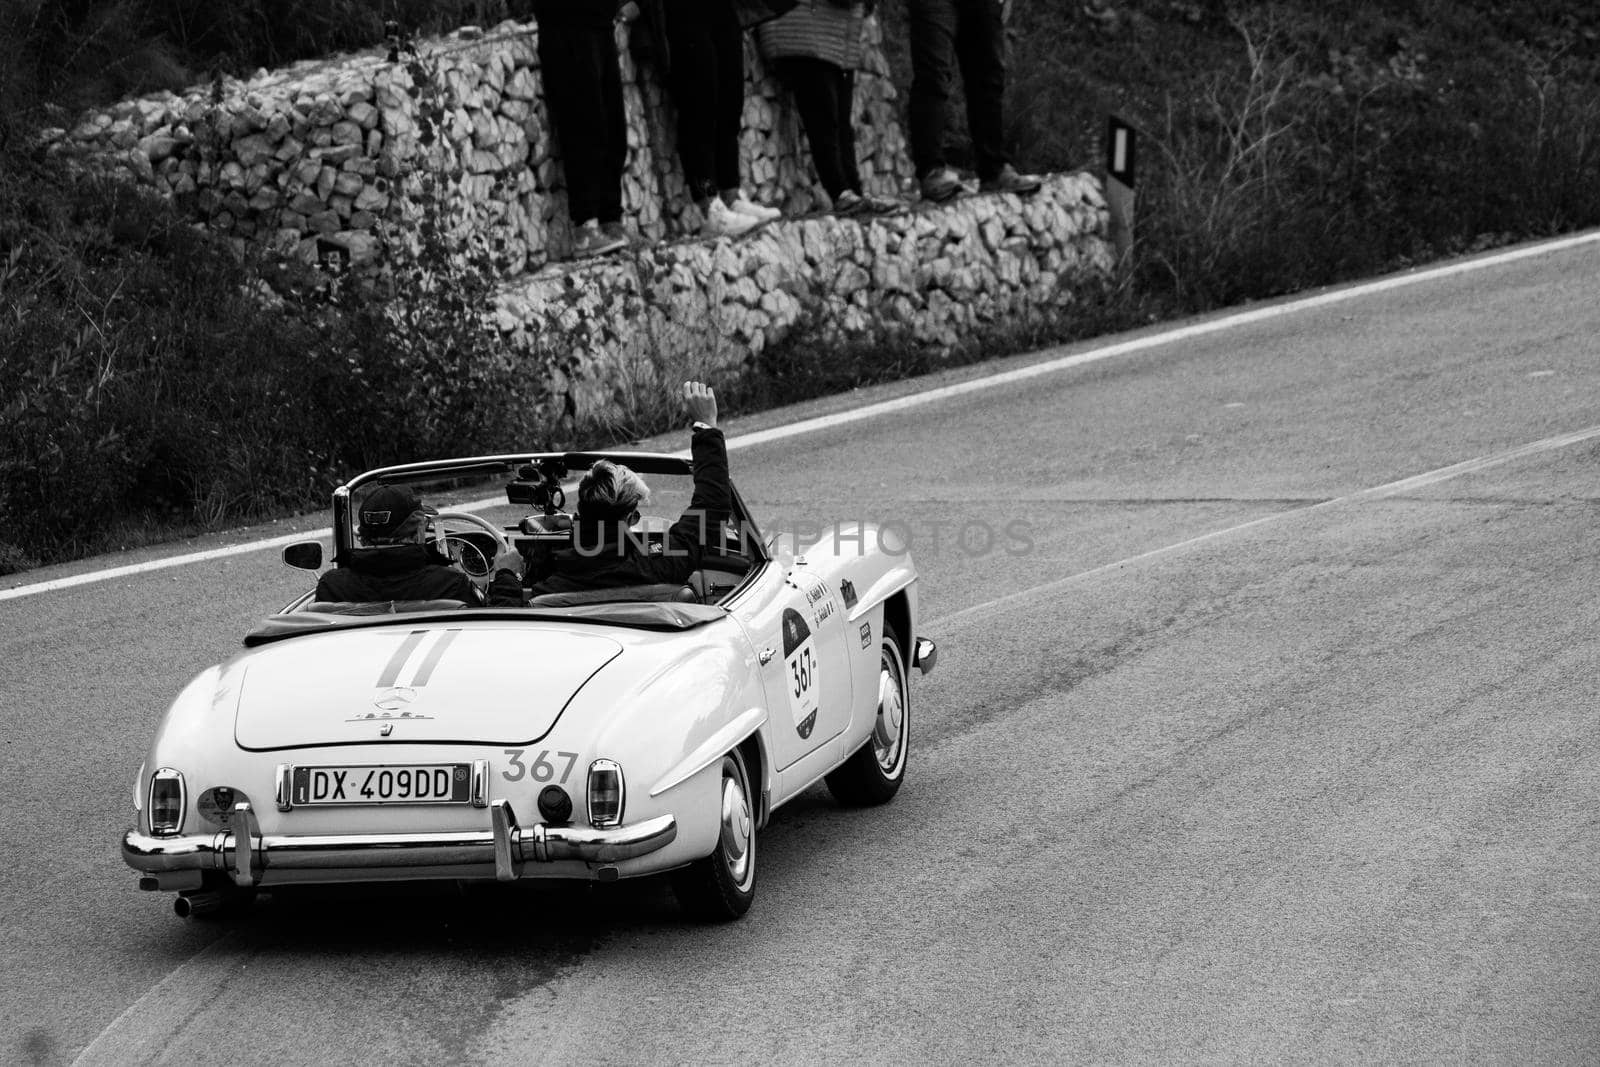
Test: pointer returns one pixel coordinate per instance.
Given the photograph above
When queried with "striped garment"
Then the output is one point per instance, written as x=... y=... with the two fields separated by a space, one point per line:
x=816 y=29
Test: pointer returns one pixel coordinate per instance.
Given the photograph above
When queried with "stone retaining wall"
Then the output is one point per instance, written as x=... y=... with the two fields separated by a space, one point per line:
x=317 y=157
x=347 y=158
x=930 y=276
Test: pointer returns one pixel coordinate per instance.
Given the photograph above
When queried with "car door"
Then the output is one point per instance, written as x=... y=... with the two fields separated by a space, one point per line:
x=796 y=623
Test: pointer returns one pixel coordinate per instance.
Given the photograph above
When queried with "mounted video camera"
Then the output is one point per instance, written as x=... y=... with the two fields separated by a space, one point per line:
x=538 y=485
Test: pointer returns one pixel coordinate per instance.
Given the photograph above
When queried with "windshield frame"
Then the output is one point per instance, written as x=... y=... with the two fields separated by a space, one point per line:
x=506 y=465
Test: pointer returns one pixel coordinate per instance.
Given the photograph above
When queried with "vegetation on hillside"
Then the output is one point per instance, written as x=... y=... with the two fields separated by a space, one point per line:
x=152 y=382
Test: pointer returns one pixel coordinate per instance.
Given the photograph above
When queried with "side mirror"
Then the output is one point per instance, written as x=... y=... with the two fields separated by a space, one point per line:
x=306 y=555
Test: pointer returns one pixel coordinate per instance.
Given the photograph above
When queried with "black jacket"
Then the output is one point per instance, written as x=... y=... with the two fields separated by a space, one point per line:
x=608 y=555
x=399 y=572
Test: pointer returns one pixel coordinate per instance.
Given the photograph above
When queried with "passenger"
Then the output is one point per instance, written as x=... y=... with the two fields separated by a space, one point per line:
x=396 y=561
x=606 y=553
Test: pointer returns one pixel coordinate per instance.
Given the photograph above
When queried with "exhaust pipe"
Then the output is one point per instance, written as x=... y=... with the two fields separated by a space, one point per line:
x=198 y=904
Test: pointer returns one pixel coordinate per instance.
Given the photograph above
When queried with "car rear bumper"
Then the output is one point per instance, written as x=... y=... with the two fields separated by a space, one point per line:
x=253 y=858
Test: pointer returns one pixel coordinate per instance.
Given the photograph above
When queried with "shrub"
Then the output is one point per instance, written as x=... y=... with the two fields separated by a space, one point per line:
x=124 y=403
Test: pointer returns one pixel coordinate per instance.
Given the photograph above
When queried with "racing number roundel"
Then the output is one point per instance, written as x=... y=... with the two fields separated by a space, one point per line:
x=800 y=667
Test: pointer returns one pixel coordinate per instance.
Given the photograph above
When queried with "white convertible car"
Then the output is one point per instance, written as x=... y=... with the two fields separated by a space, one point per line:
x=654 y=732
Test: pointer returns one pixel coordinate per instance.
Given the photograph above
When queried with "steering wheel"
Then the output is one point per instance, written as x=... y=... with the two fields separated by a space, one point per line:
x=470 y=557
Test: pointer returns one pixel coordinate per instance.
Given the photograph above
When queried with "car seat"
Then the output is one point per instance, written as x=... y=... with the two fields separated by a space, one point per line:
x=382 y=607
x=658 y=592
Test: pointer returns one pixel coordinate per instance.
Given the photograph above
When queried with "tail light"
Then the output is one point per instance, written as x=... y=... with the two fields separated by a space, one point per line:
x=167 y=802
x=606 y=793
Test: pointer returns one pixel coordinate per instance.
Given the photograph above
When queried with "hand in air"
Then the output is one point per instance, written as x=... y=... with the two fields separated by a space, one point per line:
x=701 y=402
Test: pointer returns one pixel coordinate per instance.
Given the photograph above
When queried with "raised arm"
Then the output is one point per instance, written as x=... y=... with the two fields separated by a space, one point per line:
x=712 y=502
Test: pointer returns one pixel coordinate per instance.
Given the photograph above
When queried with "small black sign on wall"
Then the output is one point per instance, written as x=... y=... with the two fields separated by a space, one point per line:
x=1121 y=158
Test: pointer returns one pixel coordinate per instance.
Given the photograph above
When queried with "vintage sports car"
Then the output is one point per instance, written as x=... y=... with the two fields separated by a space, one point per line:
x=633 y=732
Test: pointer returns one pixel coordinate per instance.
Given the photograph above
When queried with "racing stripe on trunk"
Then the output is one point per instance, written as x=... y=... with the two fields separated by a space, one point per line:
x=398 y=660
x=435 y=654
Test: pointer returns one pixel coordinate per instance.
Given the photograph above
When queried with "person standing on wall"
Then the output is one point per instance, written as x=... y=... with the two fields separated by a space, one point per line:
x=969 y=35
x=704 y=58
x=583 y=93
x=815 y=50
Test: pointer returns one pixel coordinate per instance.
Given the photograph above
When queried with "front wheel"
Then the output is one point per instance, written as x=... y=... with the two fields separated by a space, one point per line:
x=722 y=885
x=874 y=773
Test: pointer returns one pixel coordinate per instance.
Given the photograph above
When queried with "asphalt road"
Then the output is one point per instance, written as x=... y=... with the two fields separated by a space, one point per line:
x=1226 y=757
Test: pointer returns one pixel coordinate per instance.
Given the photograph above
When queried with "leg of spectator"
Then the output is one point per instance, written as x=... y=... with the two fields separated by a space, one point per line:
x=815 y=89
x=567 y=97
x=727 y=40
x=580 y=65
x=933 y=29
x=844 y=121
x=614 y=158
x=981 y=51
x=694 y=93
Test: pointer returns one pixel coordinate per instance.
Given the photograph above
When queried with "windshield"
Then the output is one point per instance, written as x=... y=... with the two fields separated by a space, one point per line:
x=528 y=500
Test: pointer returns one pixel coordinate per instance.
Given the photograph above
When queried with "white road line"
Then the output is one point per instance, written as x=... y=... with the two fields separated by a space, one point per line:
x=930 y=396
x=1404 y=485
x=159 y=564
x=145 y=1027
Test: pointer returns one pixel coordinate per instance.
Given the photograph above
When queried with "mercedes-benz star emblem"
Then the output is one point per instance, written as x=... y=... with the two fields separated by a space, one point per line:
x=395 y=697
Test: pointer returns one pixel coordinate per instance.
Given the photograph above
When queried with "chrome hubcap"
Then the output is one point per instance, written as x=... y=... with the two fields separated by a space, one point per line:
x=890 y=724
x=737 y=829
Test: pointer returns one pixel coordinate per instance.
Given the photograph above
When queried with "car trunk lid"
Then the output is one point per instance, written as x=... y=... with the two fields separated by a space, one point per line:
x=425 y=683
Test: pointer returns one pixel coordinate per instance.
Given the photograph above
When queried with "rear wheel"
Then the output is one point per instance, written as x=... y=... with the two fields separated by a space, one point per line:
x=874 y=773
x=722 y=885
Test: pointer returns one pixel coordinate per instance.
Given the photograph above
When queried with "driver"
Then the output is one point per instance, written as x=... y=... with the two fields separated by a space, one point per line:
x=606 y=552
x=396 y=562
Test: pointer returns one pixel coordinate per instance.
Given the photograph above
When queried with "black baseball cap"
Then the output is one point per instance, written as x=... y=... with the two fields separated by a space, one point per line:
x=387 y=508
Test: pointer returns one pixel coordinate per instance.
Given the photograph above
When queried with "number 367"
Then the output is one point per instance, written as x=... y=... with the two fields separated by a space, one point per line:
x=542 y=769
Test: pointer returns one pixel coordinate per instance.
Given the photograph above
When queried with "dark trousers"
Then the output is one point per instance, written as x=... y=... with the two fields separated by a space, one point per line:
x=947 y=35
x=583 y=92
x=822 y=94
x=706 y=46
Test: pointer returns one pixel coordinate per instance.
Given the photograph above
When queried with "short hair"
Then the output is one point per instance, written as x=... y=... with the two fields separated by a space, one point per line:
x=610 y=491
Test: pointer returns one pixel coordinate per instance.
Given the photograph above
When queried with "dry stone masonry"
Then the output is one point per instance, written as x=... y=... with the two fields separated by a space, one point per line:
x=930 y=277
x=342 y=158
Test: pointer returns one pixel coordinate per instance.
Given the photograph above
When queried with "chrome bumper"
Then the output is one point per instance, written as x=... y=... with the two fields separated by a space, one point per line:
x=925 y=655
x=253 y=858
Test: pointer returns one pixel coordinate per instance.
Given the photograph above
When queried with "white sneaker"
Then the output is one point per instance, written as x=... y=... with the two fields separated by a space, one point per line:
x=722 y=221
x=743 y=205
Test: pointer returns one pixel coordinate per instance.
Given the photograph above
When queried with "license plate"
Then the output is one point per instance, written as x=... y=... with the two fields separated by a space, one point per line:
x=429 y=783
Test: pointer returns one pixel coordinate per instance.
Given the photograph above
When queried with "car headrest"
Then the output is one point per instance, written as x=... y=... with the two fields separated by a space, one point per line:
x=560 y=522
x=382 y=607
x=665 y=591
